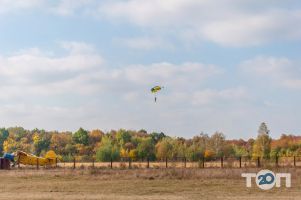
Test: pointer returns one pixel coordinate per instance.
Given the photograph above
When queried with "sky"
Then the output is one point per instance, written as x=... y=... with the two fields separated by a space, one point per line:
x=226 y=65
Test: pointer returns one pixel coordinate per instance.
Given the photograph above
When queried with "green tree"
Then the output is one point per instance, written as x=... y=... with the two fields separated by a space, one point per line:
x=123 y=137
x=239 y=151
x=81 y=137
x=107 y=150
x=156 y=137
x=41 y=142
x=3 y=136
x=263 y=129
x=146 y=148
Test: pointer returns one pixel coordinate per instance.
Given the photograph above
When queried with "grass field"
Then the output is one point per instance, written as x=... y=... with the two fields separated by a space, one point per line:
x=139 y=184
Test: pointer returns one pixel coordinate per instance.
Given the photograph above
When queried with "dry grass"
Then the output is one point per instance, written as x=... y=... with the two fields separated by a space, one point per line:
x=138 y=184
x=157 y=165
x=154 y=165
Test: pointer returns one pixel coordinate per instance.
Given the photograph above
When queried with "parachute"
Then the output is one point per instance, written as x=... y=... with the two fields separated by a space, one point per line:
x=155 y=90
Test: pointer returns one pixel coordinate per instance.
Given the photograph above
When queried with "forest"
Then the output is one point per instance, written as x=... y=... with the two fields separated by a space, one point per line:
x=115 y=144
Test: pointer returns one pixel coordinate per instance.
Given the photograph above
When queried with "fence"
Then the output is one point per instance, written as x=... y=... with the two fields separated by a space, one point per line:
x=179 y=162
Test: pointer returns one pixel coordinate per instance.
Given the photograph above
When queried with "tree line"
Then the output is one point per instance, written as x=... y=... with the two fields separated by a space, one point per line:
x=116 y=144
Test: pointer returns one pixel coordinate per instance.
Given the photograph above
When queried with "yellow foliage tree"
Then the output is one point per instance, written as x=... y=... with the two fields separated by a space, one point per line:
x=36 y=138
x=133 y=154
x=10 y=145
x=123 y=153
x=208 y=154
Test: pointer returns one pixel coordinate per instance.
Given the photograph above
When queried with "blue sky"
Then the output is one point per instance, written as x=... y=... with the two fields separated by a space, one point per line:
x=226 y=65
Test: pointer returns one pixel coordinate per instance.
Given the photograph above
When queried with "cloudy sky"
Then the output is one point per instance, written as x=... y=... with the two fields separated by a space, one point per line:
x=227 y=65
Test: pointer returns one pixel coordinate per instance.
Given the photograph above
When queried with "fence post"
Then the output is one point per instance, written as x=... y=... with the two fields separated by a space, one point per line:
x=55 y=162
x=258 y=161
x=166 y=165
x=93 y=164
x=130 y=164
x=74 y=162
x=37 y=163
x=184 y=162
x=239 y=162
x=111 y=164
x=147 y=162
x=294 y=161
x=203 y=162
x=222 y=162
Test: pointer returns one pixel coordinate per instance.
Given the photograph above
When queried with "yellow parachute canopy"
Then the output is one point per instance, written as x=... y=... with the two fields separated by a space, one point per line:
x=156 y=89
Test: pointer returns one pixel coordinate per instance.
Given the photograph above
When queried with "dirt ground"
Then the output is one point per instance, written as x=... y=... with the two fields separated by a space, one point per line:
x=106 y=184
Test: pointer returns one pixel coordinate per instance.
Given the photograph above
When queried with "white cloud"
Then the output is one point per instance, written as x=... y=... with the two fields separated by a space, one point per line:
x=279 y=71
x=58 y=7
x=77 y=47
x=210 y=96
x=82 y=71
x=254 y=28
x=34 y=72
x=145 y=43
x=293 y=83
x=71 y=7
x=170 y=74
x=7 y=6
x=231 y=23
x=225 y=22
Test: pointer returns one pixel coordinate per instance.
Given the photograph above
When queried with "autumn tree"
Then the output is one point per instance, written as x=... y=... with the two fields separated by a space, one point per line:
x=41 y=141
x=133 y=154
x=164 y=148
x=262 y=145
x=10 y=145
x=197 y=148
x=286 y=145
x=141 y=145
x=17 y=132
x=216 y=144
x=95 y=138
x=61 y=143
x=179 y=148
